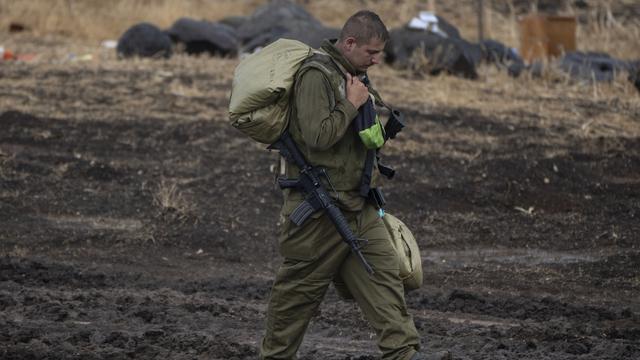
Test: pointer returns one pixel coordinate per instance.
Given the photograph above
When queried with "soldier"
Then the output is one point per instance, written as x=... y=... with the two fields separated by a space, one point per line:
x=328 y=94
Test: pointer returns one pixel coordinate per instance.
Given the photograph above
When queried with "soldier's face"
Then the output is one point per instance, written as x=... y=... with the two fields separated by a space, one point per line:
x=363 y=56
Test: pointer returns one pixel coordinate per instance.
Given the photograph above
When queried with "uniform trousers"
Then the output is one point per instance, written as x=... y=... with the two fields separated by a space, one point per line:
x=314 y=256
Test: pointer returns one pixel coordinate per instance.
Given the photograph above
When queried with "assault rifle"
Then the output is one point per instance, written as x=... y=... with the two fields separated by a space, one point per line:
x=317 y=197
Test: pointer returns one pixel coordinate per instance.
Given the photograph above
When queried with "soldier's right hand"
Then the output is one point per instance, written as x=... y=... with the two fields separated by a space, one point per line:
x=357 y=92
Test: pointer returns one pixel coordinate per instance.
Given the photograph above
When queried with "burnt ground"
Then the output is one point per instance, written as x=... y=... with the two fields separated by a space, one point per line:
x=146 y=229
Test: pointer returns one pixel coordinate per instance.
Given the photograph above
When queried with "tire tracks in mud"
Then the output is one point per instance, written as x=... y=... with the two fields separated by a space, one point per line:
x=56 y=307
x=525 y=327
x=53 y=308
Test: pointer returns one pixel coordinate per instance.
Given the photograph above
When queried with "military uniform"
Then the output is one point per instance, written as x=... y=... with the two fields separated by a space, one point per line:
x=314 y=253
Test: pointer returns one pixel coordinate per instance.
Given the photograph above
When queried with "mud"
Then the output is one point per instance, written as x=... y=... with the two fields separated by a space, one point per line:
x=136 y=223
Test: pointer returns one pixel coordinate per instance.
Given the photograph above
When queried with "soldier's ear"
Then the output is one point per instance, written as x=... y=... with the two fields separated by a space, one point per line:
x=350 y=43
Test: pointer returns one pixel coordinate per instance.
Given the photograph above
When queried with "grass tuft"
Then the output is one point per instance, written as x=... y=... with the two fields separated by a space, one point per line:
x=172 y=202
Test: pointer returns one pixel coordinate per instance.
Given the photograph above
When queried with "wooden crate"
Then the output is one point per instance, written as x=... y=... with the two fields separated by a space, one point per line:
x=545 y=36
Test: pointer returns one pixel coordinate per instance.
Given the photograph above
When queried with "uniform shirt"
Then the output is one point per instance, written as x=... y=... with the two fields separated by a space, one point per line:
x=321 y=125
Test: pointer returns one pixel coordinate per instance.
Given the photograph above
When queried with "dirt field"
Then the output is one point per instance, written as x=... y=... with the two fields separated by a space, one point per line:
x=135 y=223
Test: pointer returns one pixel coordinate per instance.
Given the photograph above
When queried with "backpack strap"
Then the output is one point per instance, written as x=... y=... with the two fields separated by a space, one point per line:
x=324 y=63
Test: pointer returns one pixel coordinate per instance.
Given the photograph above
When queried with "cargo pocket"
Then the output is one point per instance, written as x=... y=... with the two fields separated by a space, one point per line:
x=299 y=242
x=379 y=250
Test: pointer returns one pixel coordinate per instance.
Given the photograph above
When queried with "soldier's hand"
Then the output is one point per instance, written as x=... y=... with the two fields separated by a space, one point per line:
x=357 y=92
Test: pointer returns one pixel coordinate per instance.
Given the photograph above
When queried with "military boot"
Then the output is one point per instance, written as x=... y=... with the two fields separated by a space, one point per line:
x=439 y=355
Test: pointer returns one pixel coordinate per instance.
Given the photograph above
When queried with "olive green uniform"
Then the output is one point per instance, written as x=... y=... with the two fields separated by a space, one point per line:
x=314 y=253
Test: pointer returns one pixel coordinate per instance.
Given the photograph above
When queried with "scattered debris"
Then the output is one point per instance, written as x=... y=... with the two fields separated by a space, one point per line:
x=15 y=27
x=634 y=75
x=144 y=40
x=6 y=54
x=494 y=52
x=590 y=66
x=205 y=37
x=427 y=43
x=528 y=211
x=432 y=37
x=450 y=54
x=81 y=58
x=429 y=21
x=109 y=44
x=278 y=15
x=282 y=19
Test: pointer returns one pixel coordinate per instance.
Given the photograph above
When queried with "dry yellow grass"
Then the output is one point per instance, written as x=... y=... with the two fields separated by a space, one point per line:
x=171 y=201
x=97 y=20
x=78 y=26
x=586 y=111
